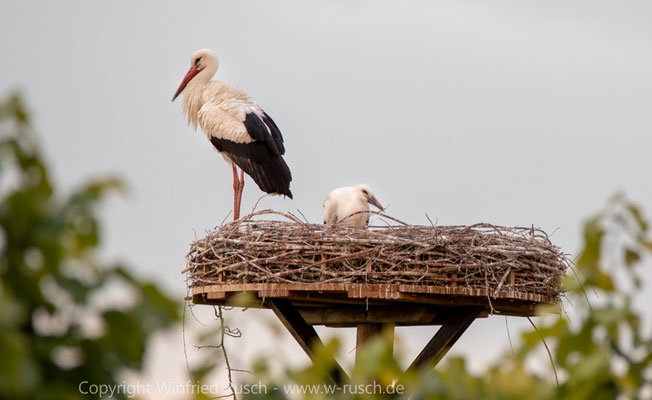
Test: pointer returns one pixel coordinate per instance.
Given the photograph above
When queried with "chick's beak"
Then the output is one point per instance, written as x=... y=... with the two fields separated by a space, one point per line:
x=374 y=201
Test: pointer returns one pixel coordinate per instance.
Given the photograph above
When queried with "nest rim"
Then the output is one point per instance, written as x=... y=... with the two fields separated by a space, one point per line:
x=245 y=238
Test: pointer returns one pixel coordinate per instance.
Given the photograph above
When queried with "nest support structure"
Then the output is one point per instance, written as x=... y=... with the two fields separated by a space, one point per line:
x=381 y=276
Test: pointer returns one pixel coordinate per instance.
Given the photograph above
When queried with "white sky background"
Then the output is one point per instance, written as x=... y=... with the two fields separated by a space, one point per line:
x=501 y=112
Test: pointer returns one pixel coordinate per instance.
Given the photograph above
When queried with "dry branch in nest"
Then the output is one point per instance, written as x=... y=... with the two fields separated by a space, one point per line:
x=259 y=249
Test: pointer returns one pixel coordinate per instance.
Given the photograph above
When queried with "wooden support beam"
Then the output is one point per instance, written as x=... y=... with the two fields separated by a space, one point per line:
x=408 y=314
x=303 y=333
x=458 y=321
x=365 y=332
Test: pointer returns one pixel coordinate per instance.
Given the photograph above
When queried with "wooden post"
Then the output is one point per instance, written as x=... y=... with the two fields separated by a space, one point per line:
x=303 y=333
x=366 y=332
x=451 y=330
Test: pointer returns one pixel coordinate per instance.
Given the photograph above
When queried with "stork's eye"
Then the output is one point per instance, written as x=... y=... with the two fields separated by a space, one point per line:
x=365 y=191
x=197 y=61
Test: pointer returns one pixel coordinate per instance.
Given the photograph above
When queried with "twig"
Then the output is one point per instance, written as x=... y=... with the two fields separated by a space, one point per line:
x=552 y=362
x=304 y=217
x=509 y=337
x=253 y=209
x=429 y=220
x=223 y=330
x=183 y=334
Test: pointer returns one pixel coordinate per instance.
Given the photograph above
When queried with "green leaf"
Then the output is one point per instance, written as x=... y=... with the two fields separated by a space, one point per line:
x=591 y=368
x=126 y=338
x=155 y=310
x=602 y=281
x=638 y=216
x=593 y=234
x=608 y=317
x=13 y=108
x=631 y=257
x=18 y=371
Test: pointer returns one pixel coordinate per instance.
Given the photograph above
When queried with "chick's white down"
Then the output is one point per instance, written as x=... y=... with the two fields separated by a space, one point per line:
x=344 y=201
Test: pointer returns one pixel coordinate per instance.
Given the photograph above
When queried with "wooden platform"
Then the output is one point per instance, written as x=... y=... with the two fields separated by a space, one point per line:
x=340 y=304
x=370 y=307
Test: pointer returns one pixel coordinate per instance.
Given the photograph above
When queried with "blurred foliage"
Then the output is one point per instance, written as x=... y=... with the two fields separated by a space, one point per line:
x=58 y=326
x=598 y=346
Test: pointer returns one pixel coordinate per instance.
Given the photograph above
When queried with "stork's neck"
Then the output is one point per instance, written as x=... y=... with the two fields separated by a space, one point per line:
x=193 y=98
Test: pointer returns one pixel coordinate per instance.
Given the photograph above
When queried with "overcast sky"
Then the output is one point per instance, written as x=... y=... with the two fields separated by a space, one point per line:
x=509 y=112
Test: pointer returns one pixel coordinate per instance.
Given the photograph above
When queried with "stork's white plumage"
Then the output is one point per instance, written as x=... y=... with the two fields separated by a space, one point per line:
x=344 y=201
x=236 y=126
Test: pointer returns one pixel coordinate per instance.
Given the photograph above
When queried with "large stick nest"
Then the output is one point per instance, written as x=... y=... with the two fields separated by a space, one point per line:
x=481 y=256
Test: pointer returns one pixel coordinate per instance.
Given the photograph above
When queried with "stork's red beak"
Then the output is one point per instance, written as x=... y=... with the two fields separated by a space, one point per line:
x=191 y=74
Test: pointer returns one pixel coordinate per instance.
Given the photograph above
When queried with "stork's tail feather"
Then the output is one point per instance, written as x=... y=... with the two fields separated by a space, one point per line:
x=272 y=176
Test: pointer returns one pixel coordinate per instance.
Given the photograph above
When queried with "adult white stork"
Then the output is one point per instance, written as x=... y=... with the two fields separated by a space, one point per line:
x=236 y=126
x=344 y=201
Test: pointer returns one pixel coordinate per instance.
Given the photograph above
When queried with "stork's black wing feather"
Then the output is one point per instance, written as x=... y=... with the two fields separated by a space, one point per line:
x=276 y=133
x=265 y=130
x=258 y=160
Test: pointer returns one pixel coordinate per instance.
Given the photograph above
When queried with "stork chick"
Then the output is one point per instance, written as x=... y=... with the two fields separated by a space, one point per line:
x=236 y=127
x=344 y=201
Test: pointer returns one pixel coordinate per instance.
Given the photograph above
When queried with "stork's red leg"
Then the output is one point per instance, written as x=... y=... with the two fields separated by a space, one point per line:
x=236 y=188
x=240 y=189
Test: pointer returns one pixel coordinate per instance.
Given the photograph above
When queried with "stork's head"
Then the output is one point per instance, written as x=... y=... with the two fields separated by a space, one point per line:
x=368 y=195
x=203 y=65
